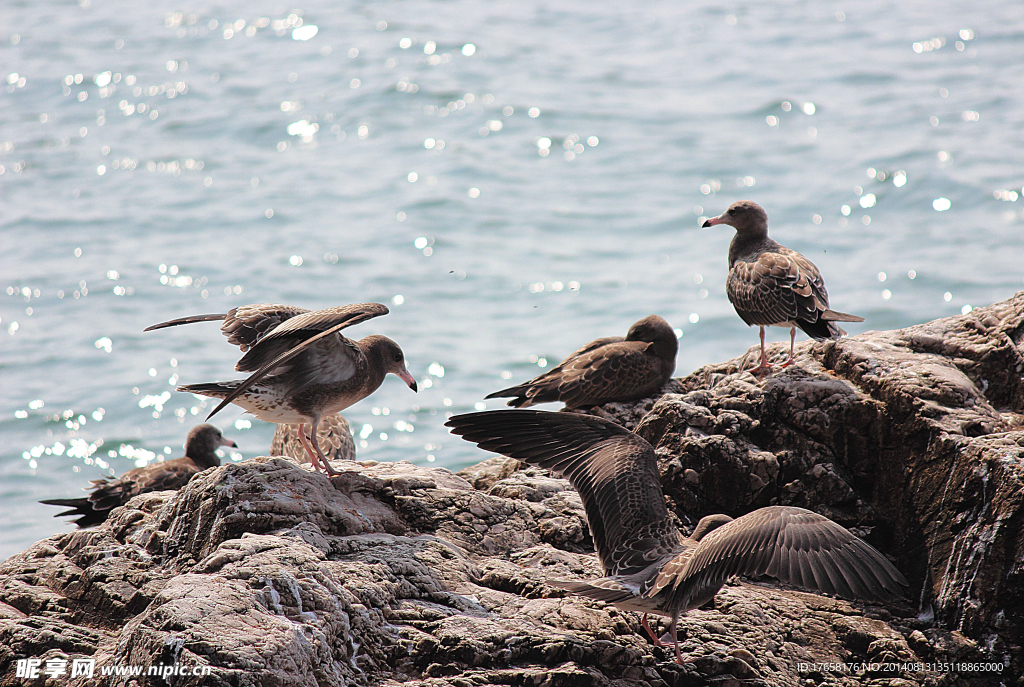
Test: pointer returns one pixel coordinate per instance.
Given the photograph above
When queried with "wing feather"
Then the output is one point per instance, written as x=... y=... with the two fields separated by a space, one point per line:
x=245 y=325
x=799 y=547
x=614 y=471
x=300 y=328
x=783 y=287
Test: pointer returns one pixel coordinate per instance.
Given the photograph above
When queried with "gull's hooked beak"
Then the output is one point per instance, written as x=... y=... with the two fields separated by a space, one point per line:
x=407 y=378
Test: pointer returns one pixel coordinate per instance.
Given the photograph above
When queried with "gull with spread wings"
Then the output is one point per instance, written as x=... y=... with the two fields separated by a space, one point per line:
x=302 y=366
x=650 y=567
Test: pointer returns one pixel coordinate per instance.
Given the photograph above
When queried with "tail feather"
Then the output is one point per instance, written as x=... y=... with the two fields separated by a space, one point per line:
x=836 y=316
x=213 y=389
x=82 y=508
x=821 y=329
x=609 y=590
x=73 y=504
x=516 y=393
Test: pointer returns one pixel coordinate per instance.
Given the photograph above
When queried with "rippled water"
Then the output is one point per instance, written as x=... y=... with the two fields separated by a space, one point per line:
x=512 y=178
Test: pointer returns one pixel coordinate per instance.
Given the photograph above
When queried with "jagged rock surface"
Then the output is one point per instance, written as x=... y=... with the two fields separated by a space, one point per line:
x=395 y=574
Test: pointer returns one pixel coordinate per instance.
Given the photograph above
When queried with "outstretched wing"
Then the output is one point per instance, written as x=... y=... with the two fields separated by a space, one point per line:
x=300 y=328
x=300 y=348
x=614 y=471
x=245 y=325
x=795 y=545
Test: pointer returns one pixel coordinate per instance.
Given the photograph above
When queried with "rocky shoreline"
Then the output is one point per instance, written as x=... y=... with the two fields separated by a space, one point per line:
x=392 y=573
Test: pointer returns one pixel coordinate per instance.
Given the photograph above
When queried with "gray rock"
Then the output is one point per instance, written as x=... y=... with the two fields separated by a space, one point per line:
x=270 y=574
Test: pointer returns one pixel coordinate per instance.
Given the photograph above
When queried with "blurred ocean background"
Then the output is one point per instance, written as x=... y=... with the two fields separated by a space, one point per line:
x=513 y=179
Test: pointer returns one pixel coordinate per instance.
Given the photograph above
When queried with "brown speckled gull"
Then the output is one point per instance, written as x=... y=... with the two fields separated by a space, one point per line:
x=334 y=436
x=302 y=366
x=200 y=454
x=609 y=369
x=649 y=566
x=771 y=285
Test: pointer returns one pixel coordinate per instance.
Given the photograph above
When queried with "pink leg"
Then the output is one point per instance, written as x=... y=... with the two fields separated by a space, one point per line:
x=650 y=632
x=675 y=639
x=304 y=440
x=323 y=459
x=792 y=343
x=765 y=365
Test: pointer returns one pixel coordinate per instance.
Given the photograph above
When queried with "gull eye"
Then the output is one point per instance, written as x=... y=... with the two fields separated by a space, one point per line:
x=732 y=212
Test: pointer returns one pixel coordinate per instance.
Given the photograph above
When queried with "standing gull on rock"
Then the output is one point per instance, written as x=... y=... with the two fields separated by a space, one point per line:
x=200 y=454
x=609 y=369
x=771 y=285
x=302 y=366
x=649 y=566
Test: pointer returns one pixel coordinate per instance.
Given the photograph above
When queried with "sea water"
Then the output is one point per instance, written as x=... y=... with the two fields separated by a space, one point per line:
x=513 y=179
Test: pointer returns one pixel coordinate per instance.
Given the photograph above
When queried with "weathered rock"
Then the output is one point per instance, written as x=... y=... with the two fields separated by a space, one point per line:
x=269 y=574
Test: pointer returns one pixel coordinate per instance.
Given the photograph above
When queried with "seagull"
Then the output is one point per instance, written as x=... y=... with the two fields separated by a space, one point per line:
x=200 y=454
x=333 y=436
x=649 y=566
x=302 y=366
x=770 y=284
x=609 y=369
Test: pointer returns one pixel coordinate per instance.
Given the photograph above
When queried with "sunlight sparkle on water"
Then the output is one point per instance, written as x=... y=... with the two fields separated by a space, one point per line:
x=304 y=129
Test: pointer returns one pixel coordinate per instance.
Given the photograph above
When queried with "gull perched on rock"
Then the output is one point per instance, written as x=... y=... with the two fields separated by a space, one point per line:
x=609 y=369
x=650 y=567
x=200 y=454
x=302 y=366
x=771 y=285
